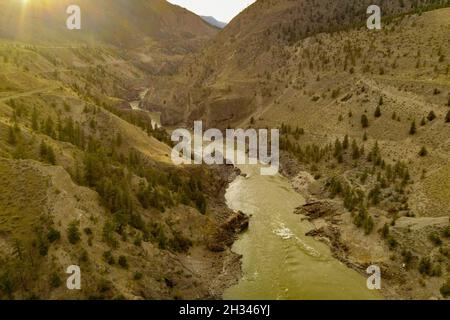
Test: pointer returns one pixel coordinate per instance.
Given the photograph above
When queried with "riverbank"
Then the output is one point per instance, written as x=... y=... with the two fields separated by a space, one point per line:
x=397 y=254
x=214 y=264
x=278 y=260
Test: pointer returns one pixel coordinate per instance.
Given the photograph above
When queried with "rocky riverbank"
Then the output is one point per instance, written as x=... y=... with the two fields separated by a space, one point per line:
x=401 y=248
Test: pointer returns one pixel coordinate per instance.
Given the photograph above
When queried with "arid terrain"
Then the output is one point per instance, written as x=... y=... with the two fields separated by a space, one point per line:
x=364 y=116
x=87 y=179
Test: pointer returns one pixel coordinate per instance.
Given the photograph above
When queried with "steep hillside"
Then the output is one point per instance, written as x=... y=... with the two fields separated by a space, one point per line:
x=364 y=117
x=87 y=180
x=253 y=46
x=155 y=32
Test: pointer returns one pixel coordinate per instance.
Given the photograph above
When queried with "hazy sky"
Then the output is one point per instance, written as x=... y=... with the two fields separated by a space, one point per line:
x=222 y=10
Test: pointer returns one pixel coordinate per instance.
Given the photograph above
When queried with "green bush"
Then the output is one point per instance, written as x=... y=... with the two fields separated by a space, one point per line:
x=73 y=233
x=123 y=262
x=434 y=237
x=364 y=121
x=109 y=258
x=446 y=232
x=423 y=152
x=413 y=128
x=55 y=280
x=377 y=113
x=53 y=235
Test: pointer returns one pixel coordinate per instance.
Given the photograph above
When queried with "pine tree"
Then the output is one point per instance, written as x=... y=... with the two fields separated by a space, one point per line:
x=423 y=152
x=447 y=117
x=377 y=112
x=73 y=233
x=431 y=116
x=51 y=158
x=413 y=128
x=365 y=136
x=34 y=120
x=364 y=121
x=12 y=140
x=355 y=151
x=345 y=143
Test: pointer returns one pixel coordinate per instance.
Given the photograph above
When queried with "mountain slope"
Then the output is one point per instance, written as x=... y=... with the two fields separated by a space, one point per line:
x=254 y=44
x=155 y=32
x=214 y=22
x=363 y=115
x=88 y=181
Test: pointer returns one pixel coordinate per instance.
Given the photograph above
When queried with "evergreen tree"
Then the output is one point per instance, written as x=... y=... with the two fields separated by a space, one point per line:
x=413 y=128
x=12 y=140
x=35 y=120
x=345 y=143
x=431 y=116
x=377 y=112
x=355 y=151
x=423 y=152
x=364 y=121
x=447 y=117
x=73 y=233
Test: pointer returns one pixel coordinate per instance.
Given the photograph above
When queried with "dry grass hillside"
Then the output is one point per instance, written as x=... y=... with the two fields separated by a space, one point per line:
x=88 y=181
x=155 y=33
x=367 y=113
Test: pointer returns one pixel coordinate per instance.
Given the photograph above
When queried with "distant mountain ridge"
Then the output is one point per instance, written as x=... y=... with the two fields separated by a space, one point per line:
x=214 y=22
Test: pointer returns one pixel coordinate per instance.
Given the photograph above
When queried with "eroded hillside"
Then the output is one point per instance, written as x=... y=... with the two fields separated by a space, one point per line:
x=364 y=116
x=87 y=180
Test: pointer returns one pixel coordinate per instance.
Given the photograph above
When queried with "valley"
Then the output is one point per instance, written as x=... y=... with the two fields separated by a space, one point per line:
x=87 y=179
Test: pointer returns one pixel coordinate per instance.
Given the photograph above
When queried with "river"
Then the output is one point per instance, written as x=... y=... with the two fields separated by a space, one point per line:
x=279 y=261
x=154 y=116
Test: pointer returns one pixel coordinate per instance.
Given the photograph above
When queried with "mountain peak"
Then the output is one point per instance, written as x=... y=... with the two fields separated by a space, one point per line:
x=214 y=22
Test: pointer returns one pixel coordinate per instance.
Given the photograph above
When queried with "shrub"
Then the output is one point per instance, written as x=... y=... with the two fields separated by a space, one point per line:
x=55 y=280
x=385 y=231
x=423 y=152
x=53 y=235
x=413 y=128
x=392 y=243
x=108 y=257
x=377 y=112
x=434 y=237
x=123 y=262
x=407 y=257
x=137 y=276
x=446 y=232
x=364 y=121
x=445 y=289
x=425 y=266
x=431 y=116
x=73 y=233
x=447 y=117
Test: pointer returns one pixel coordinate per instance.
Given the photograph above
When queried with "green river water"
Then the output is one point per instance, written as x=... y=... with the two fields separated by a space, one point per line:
x=279 y=261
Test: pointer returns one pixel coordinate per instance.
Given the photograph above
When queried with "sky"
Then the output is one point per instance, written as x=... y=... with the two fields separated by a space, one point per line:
x=222 y=10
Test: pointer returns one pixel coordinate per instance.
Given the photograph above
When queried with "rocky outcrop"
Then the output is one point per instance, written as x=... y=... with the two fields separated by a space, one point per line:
x=228 y=231
x=317 y=209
